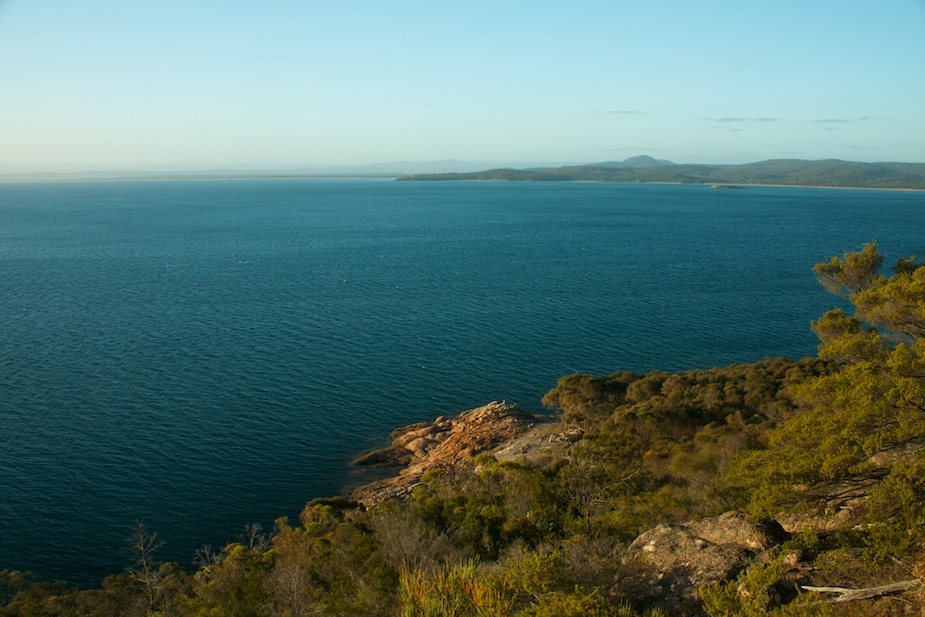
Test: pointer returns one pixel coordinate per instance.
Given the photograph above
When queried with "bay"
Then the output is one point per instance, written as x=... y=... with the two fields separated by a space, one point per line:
x=202 y=355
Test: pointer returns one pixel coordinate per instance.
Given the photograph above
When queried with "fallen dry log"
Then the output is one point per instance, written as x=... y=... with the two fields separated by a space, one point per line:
x=848 y=595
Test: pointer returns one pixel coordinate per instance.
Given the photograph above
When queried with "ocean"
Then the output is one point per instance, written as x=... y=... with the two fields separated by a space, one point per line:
x=205 y=354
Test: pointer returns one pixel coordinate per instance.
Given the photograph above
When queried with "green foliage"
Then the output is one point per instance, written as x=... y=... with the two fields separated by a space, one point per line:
x=896 y=520
x=534 y=574
x=528 y=584
x=754 y=594
x=459 y=591
x=540 y=581
x=25 y=595
x=486 y=511
x=662 y=455
x=577 y=603
x=584 y=399
x=862 y=424
x=832 y=561
x=896 y=304
x=235 y=585
x=855 y=272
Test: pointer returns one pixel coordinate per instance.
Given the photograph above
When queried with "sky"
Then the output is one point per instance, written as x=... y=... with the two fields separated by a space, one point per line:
x=170 y=84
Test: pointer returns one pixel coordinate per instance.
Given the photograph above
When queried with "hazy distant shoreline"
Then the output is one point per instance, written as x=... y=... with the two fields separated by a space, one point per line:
x=829 y=173
x=24 y=178
x=395 y=178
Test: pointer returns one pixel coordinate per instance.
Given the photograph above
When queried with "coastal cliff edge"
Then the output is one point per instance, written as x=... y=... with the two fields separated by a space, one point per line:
x=448 y=443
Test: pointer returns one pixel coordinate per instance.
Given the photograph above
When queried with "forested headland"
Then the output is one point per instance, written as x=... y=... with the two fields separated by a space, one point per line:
x=832 y=173
x=782 y=487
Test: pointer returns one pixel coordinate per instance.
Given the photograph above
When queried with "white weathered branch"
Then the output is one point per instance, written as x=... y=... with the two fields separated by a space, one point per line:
x=848 y=595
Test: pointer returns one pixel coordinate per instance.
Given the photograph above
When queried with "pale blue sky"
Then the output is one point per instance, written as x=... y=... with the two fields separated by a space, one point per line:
x=148 y=84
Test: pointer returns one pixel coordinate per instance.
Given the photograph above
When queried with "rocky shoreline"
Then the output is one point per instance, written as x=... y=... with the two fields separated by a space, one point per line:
x=448 y=443
x=666 y=566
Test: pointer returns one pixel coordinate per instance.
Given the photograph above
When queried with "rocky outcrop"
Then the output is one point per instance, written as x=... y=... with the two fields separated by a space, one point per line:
x=544 y=443
x=668 y=564
x=450 y=443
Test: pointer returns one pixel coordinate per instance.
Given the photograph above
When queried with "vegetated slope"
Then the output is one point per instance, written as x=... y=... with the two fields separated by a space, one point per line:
x=783 y=172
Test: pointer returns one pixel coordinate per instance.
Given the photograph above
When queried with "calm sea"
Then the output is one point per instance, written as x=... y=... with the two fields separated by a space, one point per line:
x=206 y=354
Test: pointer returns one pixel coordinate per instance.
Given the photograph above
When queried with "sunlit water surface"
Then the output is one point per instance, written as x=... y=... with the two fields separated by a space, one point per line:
x=206 y=354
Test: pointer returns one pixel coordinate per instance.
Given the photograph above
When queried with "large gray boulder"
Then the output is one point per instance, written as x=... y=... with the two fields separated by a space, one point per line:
x=666 y=566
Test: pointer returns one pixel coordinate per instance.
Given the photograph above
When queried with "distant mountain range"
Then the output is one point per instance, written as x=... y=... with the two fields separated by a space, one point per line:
x=779 y=172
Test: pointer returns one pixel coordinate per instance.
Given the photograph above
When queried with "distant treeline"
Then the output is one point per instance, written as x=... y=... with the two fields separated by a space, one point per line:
x=781 y=172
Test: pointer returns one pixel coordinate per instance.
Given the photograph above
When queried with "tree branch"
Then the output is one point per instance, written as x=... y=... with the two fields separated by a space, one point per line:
x=847 y=595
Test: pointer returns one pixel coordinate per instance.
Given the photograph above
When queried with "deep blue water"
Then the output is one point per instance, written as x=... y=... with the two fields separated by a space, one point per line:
x=207 y=354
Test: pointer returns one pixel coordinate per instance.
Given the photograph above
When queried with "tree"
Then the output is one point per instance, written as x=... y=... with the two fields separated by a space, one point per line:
x=144 y=544
x=864 y=424
x=585 y=399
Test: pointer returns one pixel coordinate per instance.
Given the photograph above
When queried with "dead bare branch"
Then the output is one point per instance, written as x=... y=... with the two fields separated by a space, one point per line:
x=847 y=595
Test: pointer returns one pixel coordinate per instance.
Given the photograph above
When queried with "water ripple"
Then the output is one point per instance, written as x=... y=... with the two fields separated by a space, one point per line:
x=209 y=354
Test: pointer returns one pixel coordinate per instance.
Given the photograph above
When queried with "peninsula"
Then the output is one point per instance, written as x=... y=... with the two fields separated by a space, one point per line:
x=832 y=173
